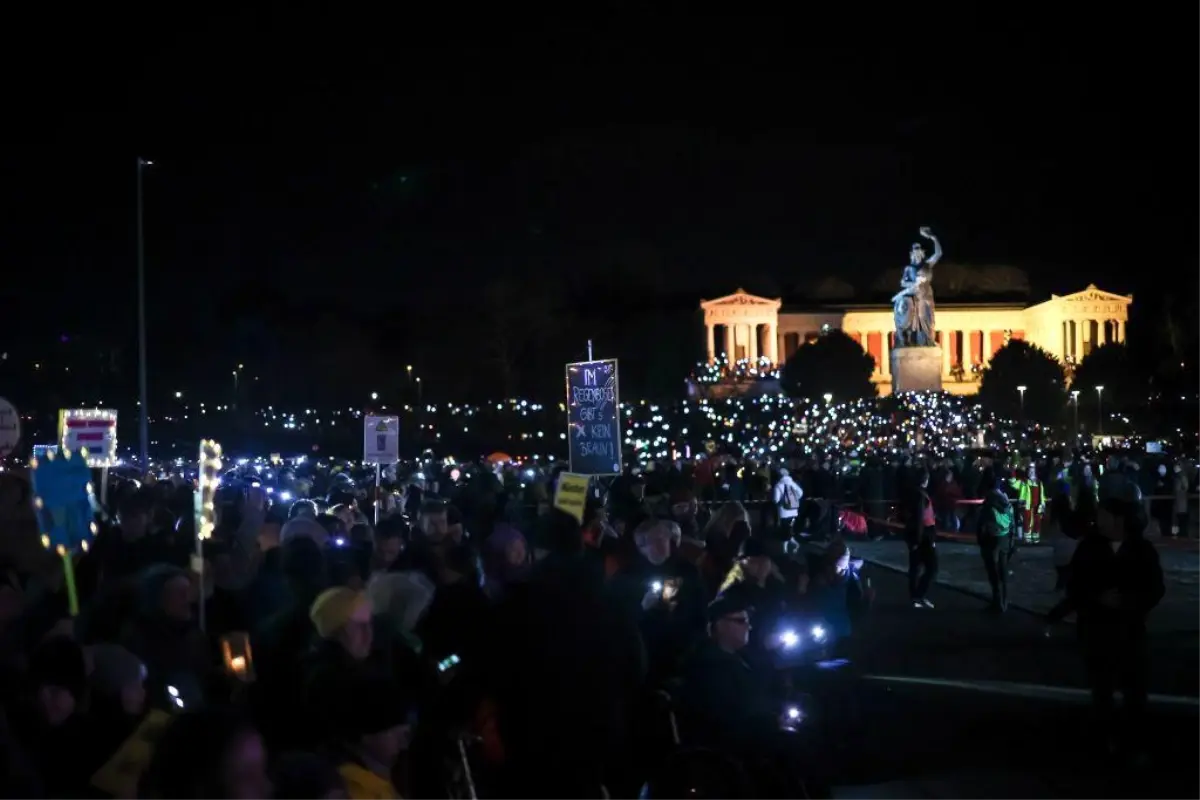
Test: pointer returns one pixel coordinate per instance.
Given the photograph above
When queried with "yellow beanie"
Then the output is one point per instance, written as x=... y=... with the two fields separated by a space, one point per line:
x=333 y=608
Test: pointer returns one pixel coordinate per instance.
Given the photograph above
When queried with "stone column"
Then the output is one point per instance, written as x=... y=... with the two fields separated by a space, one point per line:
x=1118 y=331
x=709 y=339
x=773 y=343
x=1085 y=336
x=728 y=341
x=885 y=355
x=1076 y=342
x=753 y=346
x=945 y=353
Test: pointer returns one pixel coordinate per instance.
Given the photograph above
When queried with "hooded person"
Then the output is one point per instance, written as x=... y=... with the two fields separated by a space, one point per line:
x=506 y=559
x=164 y=634
x=306 y=527
x=308 y=775
x=118 y=683
x=118 y=703
x=373 y=728
x=58 y=679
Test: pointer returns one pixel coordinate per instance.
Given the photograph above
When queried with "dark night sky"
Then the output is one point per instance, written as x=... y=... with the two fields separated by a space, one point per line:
x=372 y=170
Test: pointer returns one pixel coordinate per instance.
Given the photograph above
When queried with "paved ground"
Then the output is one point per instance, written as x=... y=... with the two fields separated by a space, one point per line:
x=958 y=703
x=959 y=640
x=1032 y=584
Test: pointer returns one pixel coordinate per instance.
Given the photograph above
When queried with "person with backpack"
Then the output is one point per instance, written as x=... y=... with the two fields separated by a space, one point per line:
x=787 y=496
x=997 y=524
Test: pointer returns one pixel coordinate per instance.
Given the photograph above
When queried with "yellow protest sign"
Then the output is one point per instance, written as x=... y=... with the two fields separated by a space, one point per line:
x=571 y=494
x=120 y=775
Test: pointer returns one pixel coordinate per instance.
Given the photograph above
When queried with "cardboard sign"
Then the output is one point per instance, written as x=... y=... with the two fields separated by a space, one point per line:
x=381 y=439
x=571 y=494
x=90 y=429
x=120 y=775
x=594 y=418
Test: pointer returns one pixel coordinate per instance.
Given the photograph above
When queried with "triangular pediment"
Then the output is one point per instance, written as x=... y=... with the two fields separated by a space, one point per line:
x=1094 y=295
x=742 y=298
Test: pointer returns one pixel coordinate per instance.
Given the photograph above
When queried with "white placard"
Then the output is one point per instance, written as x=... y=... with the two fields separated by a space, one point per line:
x=93 y=428
x=381 y=439
x=10 y=427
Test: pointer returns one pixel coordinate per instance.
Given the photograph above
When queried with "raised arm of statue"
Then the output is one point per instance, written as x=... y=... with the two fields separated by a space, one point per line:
x=937 y=246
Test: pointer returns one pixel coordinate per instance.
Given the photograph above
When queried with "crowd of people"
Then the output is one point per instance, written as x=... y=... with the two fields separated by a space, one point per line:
x=458 y=634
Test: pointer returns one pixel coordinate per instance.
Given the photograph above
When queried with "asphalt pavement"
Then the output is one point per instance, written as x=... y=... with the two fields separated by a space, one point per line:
x=955 y=702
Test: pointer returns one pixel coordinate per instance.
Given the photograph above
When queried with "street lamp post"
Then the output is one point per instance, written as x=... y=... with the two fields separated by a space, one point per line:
x=1075 y=410
x=828 y=398
x=236 y=376
x=1100 y=409
x=1021 y=391
x=144 y=418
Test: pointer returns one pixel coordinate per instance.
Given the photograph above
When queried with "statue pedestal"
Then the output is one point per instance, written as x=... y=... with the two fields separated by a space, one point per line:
x=917 y=369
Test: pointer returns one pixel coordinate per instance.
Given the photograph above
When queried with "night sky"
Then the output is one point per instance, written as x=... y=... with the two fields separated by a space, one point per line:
x=381 y=174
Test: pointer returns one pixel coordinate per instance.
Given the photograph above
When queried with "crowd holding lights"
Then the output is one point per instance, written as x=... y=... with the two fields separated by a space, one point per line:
x=742 y=371
x=766 y=426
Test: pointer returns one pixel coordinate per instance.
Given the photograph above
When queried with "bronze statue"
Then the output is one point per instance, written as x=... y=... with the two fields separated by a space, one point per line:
x=913 y=304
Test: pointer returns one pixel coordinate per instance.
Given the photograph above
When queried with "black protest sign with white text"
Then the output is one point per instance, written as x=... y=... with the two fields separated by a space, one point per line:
x=594 y=418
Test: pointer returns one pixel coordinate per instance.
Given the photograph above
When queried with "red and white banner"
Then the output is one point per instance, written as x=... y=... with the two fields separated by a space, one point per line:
x=93 y=428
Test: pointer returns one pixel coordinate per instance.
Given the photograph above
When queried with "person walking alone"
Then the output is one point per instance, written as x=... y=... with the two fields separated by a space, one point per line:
x=787 y=496
x=920 y=533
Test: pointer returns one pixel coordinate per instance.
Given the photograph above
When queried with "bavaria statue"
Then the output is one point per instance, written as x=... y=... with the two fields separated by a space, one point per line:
x=913 y=304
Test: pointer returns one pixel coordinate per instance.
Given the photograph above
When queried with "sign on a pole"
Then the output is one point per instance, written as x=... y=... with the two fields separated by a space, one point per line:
x=93 y=429
x=10 y=427
x=594 y=417
x=381 y=439
x=571 y=494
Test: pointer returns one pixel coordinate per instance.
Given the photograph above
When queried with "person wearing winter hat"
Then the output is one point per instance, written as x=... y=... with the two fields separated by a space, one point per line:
x=374 y=728
x=344 y=615
x=304 y=526
x=307 y=775
x=117 y=676
x=58 y=670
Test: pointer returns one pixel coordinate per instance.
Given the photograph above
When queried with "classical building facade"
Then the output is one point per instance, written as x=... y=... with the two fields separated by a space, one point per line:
x=742 y=325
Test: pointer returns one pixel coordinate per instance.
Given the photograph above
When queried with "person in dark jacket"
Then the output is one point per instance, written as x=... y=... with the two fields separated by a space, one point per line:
x=722 y=703
x=1116 y=581
x=920 y=534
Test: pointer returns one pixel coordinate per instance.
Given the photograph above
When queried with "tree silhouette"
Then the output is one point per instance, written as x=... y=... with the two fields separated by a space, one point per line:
x=1019 y=363
x=833 y=364
x=1124 y=378
x=1126 y=382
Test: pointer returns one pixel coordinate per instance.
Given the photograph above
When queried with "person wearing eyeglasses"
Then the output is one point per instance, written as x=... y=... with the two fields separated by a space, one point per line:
x=722 y=704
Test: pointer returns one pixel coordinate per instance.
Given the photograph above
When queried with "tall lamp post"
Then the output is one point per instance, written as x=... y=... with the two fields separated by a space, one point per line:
x=1100 y=409
x=236 y=375
x=1075 y=410
x=144 y=402
x=1021 y=391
